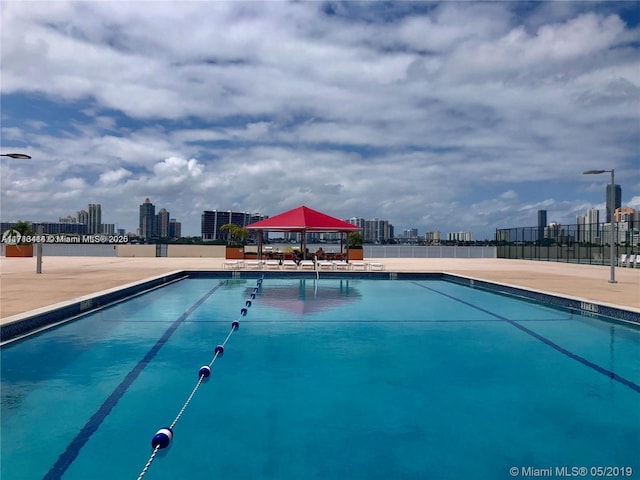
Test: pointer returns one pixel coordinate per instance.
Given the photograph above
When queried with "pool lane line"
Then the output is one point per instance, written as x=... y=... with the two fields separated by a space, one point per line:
x=366 y=320
x=574 y=356
x=164 y=436
x=73 y=449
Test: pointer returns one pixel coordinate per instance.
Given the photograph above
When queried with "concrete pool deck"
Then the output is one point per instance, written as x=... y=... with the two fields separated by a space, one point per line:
x=66 y=278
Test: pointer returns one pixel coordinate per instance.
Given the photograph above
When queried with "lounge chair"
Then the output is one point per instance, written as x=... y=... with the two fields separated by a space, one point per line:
x=232 y=264
x=376 y=266
x=623 y=260
x=358 y=266
x=253 y=264
x=289 y=264
x=273 y=264
x=325 y=264
x=631 y=260
x=342 y=265
x=636 y=263
x=307 y=264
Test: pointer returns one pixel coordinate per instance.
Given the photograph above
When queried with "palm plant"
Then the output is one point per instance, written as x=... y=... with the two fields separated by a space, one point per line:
x=21 y=229
x=235 y=233
x=355 y=239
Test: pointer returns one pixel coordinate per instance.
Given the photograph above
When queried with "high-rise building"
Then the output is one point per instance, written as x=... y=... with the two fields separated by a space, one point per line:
x=542 y=222
x=83 y=217
x=212 y=220
x=626 y=220
x=554 y=231
x=432 y=237
x=409 y=235
x=460 y=236
x=175 y=228
x=148 y=227
x=374 y=231
x=624 y=215
x=95 y=218
x=163 y=223
x=589 y=226
x=74 y=228
x=377 y=231
x=617 y=200
x=108 y=228
x=620 y=232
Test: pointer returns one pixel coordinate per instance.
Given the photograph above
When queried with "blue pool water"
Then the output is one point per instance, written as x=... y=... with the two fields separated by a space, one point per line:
x=364 y=379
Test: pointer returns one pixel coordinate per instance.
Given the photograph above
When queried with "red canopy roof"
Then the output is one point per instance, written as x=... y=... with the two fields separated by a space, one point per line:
x=303 y=219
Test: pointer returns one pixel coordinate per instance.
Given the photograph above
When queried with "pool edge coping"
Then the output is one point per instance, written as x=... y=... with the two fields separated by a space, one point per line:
x=625 y=314
x=33 y=321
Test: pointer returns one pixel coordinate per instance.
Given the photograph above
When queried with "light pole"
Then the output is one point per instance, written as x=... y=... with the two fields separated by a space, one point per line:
x=612 y=201
x=19 y=156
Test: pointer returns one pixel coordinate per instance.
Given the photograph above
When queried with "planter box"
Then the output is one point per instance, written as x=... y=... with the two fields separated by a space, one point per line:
x=356 y=254
x=18 y=250
x=234 y=253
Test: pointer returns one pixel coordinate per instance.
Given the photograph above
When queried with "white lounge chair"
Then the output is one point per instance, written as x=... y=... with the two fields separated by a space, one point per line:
x=272 y=264
x=631 y=260
x=289 y=264
x=307 y=264
x=623 y=260
x=254 y=264
x=232 y=264
x=376 y=266
x=342 y=265
x=325 y=265
x=636 y=263
x=358 y=266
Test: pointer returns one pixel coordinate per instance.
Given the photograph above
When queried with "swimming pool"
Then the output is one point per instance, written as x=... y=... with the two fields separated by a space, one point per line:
x=336 y=378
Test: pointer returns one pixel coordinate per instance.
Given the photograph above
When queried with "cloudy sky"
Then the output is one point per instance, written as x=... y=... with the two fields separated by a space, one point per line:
x=449 y=116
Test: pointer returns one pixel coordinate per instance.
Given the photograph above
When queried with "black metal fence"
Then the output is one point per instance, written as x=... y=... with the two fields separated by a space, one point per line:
x=578 y=243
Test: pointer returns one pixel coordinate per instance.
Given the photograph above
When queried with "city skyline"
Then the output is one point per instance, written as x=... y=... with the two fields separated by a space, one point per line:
x=152 y=224
x=448 y=117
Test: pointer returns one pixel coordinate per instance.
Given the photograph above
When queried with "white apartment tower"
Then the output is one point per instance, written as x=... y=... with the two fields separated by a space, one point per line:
x=589 y=226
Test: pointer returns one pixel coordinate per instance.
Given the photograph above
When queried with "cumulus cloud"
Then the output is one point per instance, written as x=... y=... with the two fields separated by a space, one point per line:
x=177 y=169
x=509 y=195
x=634 y=202
x=114 y=176
x=435 y=116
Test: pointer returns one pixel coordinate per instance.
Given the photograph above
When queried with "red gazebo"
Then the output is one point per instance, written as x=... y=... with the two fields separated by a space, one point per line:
x=301 y=219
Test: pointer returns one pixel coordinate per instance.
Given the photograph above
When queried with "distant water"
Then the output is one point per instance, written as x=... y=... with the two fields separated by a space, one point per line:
x=370 y=251
x=397 y=251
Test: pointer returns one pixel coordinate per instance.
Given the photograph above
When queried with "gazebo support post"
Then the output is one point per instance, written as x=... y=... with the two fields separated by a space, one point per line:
x=347 y=242
x=303 y=245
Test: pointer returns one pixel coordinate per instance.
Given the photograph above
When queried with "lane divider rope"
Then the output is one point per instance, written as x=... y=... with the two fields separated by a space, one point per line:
x=164 y=436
